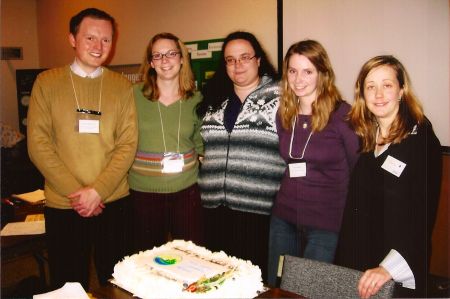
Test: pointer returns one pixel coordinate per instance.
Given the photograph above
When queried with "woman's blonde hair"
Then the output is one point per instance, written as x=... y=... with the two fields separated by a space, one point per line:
x=364 y=122
x=186 y=78
x=328 y=96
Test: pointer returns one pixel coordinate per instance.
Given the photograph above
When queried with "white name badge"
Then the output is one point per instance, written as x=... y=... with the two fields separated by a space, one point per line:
x=89 y=126
x=393 y=166
x=172 y=163
x=297 y=169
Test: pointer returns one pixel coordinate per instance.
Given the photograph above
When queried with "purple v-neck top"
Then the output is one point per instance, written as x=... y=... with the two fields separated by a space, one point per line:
x=317 y=200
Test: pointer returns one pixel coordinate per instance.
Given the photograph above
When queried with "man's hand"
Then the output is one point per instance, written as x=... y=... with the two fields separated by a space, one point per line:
x=87 y=202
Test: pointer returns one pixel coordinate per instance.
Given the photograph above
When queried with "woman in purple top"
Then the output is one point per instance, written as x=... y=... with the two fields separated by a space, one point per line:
x=320 y=149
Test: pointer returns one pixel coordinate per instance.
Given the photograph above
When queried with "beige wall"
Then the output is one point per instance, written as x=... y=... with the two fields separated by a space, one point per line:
x=18 y=29
x=138 y=21
x=352 y=31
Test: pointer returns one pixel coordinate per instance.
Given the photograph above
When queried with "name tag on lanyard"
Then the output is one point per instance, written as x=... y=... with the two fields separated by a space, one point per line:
x=88 y=123
x=297 y=169
x=297 y=166
x=89 y=126
x=172 y=163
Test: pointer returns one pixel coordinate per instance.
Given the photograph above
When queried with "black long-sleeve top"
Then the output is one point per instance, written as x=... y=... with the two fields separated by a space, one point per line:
x=385 y=212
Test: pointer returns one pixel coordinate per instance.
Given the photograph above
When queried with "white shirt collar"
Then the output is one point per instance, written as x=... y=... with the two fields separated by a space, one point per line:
x=75 y=67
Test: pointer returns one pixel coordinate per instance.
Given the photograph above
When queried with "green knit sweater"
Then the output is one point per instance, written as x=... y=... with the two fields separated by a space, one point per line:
x=146 y=173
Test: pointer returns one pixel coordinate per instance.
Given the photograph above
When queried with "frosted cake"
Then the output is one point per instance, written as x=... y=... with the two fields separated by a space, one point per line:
x=181 y=269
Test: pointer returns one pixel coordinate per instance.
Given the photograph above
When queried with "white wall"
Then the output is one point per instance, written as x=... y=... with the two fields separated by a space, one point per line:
x=353 y=31
x=18 y=29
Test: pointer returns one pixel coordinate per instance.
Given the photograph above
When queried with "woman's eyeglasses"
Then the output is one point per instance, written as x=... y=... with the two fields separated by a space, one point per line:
x=243 y=59
x=168 y=55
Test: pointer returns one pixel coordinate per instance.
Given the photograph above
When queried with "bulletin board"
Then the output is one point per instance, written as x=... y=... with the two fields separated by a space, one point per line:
x=205 y=57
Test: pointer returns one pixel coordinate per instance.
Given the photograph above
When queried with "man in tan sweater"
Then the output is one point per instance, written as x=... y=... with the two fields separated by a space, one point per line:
x=82 y=136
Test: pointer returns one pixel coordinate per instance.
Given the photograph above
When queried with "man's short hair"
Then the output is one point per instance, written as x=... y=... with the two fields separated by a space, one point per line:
x=94 y=13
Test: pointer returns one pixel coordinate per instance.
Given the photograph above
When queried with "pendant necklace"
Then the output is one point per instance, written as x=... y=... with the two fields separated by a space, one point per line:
x=305 y=122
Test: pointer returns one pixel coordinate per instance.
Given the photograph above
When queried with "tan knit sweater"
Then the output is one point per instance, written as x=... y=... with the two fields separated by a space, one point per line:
x=70 y=160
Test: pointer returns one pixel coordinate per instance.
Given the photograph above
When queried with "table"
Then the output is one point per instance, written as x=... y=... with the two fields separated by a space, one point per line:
x=16 y=246
x=17 y=210
x=114 y=292
x=13 y=246
x=111 y=291
x=279 y=293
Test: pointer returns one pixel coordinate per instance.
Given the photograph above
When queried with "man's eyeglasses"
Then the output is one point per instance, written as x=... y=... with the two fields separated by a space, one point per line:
x=243 y=59
x=168 y=55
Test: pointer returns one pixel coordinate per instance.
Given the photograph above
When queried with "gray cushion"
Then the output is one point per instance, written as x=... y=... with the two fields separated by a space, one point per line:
x=314 y=279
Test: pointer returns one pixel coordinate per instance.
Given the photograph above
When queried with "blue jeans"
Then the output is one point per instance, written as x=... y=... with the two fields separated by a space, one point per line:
x=285 y=238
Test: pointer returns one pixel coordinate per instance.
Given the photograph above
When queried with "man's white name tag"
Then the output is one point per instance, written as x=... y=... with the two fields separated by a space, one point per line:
x=297 y=169
x=89 y=126
x=393 y=166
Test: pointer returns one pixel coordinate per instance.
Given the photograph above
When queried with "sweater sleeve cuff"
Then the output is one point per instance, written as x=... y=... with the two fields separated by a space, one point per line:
x=101 y=190
x=399 y=269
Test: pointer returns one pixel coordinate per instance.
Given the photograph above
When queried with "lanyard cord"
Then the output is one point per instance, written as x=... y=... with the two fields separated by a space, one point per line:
x=75 y=93
x=162 y=128
x=292 y=139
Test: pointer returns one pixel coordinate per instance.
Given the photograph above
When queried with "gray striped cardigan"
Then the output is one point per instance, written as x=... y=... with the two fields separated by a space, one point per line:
x=243 y=169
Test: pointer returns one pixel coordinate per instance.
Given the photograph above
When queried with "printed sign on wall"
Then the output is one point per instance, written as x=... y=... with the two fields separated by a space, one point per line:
x=205 y=57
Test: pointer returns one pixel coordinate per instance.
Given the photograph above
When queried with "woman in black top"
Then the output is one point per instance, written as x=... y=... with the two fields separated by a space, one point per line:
x=394 y=188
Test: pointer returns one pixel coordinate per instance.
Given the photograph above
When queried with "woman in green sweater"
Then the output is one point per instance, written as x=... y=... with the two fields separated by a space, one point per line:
x=163 y=178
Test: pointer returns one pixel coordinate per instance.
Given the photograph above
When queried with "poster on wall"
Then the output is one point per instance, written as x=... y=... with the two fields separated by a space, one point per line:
x=129 y=71
x=25 y=79
x=205 y=57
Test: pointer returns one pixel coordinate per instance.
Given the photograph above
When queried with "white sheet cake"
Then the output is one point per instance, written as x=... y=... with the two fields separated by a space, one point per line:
x=181 y=269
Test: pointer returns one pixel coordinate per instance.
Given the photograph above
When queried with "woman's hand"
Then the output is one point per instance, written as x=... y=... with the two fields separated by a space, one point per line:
x=372 y=281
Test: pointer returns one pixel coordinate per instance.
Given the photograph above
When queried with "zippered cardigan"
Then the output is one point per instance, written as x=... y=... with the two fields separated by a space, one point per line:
x=242 y=169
